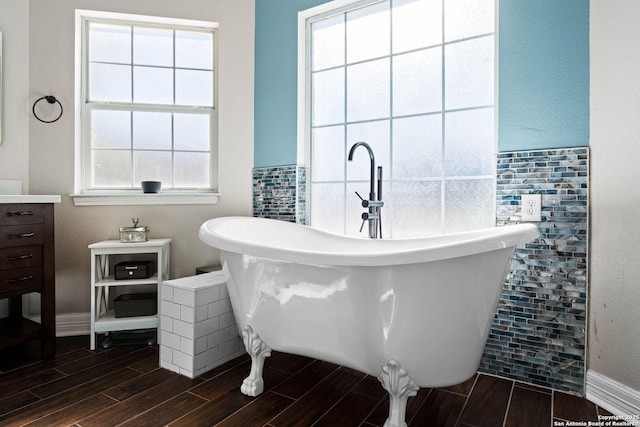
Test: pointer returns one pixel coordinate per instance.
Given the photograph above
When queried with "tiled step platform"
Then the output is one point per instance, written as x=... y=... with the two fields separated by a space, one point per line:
x=197 y=328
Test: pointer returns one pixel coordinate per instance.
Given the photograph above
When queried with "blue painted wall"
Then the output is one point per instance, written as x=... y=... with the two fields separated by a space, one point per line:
x=276 y=80
x=543 y=76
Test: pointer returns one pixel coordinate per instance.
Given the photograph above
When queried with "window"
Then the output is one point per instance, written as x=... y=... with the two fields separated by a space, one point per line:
x=415 y=80
x=147 y=104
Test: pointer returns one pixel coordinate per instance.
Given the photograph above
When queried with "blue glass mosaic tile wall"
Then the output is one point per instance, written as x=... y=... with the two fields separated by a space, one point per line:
x=538 y=334
x=279 y=192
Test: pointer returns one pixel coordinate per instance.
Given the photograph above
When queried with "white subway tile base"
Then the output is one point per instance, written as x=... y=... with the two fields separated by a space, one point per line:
x=197 y=329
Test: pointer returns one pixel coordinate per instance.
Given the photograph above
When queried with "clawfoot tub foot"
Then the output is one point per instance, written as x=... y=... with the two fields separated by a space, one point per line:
x=253 y=385
x=395 y=380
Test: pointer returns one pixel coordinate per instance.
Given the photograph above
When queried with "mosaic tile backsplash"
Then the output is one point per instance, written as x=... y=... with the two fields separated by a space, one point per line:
x=539 y=331
x=280 y=193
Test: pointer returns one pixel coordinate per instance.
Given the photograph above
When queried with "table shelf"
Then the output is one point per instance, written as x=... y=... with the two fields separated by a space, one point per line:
x=103 y=319
x=111 y=281
x=108 y=322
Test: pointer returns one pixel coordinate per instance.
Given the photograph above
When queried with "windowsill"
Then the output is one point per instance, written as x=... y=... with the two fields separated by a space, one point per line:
x=123 y=199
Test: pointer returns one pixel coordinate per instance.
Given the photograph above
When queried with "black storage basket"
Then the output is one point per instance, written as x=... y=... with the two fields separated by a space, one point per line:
x=130 y=305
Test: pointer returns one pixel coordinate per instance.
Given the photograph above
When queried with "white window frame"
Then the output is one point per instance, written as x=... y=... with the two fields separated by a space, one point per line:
x=305 y=18
x=85 y=196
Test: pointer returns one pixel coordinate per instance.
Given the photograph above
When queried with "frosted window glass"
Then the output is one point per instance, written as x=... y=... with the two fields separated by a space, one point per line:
x=194 y=87
x=416 y=24
x=466 y=18
x=152 y=85
x=328 y=154
x=415 y=207
x=377 y=135
x=151 y=130
x=110 y=129
x=194 y=50
x=328 y=97
x=469 y=143
x=191 y=132
x=110 y=43
x=192 y=170
x=417 y=147
x=327 y=207
x=469 y=205
x=152 y=166
x=111 y=168
x=110 y=83
x=152 y=46
x=426 y=120
x=469 y=76
x=368 y=90
x=417 y=82
x=368 y=32
x=328 y=43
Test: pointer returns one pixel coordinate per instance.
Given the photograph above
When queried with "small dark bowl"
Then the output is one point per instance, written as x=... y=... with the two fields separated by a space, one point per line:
x=151 y=186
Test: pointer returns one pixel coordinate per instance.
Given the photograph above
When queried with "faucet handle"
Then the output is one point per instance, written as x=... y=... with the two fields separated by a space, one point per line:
x=364 y=202
x=369 y=203
x=372 y=203
x=368 y=216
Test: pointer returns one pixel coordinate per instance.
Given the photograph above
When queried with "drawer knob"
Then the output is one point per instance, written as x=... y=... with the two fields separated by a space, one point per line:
x=18 y=258
x=23 y=213
x=21 y=279
x=20 y=236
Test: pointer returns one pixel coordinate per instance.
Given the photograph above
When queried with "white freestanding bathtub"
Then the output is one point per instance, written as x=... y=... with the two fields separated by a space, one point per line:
x=414 y=312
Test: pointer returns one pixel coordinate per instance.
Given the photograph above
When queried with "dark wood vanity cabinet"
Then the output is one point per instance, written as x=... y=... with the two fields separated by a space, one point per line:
x=27 y=265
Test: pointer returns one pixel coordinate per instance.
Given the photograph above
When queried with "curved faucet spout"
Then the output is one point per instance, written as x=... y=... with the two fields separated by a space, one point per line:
x=373 y=203
x=372 y=159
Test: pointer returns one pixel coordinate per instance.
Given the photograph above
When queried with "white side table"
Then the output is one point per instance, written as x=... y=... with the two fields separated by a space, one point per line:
x=102 y=314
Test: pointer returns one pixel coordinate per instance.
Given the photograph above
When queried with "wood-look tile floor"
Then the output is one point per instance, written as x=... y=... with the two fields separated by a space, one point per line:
x=124 y=386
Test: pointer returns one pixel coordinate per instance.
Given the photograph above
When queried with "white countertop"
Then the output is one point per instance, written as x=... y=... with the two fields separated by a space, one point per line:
x=29 y=198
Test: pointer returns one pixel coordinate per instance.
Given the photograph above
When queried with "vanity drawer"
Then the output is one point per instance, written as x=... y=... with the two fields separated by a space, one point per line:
x=20 y=257
x=21 y=235
x=26 y=213
x=20 y=279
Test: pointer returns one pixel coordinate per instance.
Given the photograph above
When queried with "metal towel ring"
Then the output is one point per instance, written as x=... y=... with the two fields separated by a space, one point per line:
x=51 y=100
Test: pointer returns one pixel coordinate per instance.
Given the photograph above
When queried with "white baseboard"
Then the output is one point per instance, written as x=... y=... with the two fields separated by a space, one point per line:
x=613 y=396
x=72 y=324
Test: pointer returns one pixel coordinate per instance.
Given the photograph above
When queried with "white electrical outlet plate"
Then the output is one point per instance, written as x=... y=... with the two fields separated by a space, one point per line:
x=531 y=205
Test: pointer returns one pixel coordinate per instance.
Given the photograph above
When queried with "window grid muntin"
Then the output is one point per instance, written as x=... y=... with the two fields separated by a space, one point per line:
x=444 y=179
x=87 y=106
